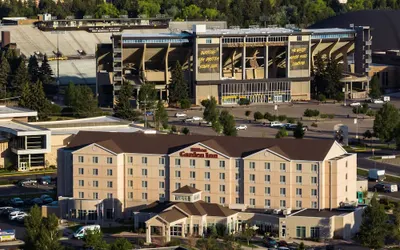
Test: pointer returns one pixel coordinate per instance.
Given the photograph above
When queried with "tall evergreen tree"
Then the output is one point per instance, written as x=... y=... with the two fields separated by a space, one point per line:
x=33 y=97
x=85 y=102
x=160 y=116
x=70 y=94
x=374 y=88
x=4 y=75
x=46 y=73
x=178 y=88
x=374 y=228
x=123 y=108
x=33 y=224
x=21 y=77
x=33 y=69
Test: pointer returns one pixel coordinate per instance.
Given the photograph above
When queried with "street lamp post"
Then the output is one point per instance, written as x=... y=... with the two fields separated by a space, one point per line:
x=344 y=93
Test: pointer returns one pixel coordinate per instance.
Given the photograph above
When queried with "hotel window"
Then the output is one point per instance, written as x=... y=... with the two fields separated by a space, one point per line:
x=252 y=165
x=207 y=163
x=130 y=195
x=130 y=183
x=300 y=232
x=252 y=202
x=252 y=177
x=144 y=196
x=222 y=188
x=130 y=159
x=267 y=178
x=95 y=159
x=283 y=167
x=345 y=188
x=81 y=183
x=192 y=175
x=109 y=172
x=207 y=175
x=282 y=203
x=267 y=166
x=346 y=177
x=81 y=195
x=177 y=162
x=130 y=171
x=161 y=196
x=144 y=172
x=313 y=192
x=282 y=179
x=109 y=184
x=207 y=187
x=80 y=170
x=161 y=185
x=109 y=160
x=144 y=160
x=237 y=188
x=298 y=204
x=299 y=179
x=314 y=204
x=207 y=199
x=95 y=183
x=313 y=180
x=161 y=172
x=109 y=195
x=161 y=161
x=237 y=176
x=267 y=203
x=222 y=164
x=222 y=176
x=299 y=167
x=80 y=159
x=177 y=185
x=95 y=195
x=192 y=163
x=314 y=232
x=95 y=171
x=347 y=164
x=144 y=184
x=314 y=168
x=299 y=192
x=177 y=174
x=283 y=191
x=252 y=190
x=267 y=190
x=222 y=200
x=237 y=163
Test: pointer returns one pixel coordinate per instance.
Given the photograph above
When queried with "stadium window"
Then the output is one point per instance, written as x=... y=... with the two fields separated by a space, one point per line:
x=208 y=40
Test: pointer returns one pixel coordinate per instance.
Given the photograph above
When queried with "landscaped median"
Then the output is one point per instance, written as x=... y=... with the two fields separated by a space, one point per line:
x=4 y=172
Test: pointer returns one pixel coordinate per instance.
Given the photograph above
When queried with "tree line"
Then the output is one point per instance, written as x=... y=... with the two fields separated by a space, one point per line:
x=236 y=12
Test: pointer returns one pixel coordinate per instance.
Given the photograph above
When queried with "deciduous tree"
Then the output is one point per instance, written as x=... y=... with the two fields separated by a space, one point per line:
x=386 y=121
x=299 y=132
x=94 y=240
x=33 y=225
x=228 y=123
x=374 y=88
x=160 y=116
x=211 y=112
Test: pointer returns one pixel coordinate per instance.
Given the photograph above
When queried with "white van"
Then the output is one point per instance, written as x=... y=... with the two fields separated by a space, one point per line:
x=81 y=232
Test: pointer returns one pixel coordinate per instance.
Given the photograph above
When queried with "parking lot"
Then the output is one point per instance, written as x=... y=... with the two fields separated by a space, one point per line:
x=15 y=190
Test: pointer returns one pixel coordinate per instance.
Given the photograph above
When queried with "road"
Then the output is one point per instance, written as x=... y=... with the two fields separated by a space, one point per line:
x=364 y=162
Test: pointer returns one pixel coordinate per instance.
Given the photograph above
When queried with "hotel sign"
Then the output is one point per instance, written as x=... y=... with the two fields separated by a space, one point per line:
x=198 y=153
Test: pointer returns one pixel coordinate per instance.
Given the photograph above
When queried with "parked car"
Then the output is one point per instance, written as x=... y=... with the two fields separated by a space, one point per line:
x=4 y=210
x=45 y=180
x=17 y=201
x=37 y=201
x=81 y=232
x=241 y=127
x=46 y=199
x=355 y=104
x=187 y=120
x=377 y=101
x=276 y=124
x=16 y=214
x=386 y=187
x=205 y=123
x=269 y=242
x=197 y=118
x=27 y=182
x=179 y=115
x=282 y=243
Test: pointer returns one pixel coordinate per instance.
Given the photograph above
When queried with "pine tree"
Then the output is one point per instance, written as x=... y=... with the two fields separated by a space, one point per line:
x=147 y=96
x=46 y=73
x=298 y=132
x=178 y=88
x=33 y=69
x=123 y=108
x=39 y=101
x=70 y=95
x=21 y=77
x=374 y=227
x=374 y=88
x=4 y=75
x=228 y=123
x=85 y=102
x=161 y=116
x=25 y=99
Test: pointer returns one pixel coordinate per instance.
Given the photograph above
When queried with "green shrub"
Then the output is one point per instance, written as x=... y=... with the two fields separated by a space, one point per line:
x=321 y=98
x=370 y=113
x=173 y=129
x=331 y=116
x=173 y=242
x=185 y=104
x=323 y=116
x=311 y=113
x=281 y=118
x=314 y=125
x=291 y=120
x=268 y=116
x=258 y=116
x=185 y=131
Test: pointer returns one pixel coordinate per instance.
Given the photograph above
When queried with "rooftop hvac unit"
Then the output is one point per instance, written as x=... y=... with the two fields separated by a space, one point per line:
x=277 y=211
x=287 y=211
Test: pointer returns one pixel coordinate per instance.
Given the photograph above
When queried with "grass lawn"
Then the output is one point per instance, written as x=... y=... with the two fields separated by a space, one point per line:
x=5 y=172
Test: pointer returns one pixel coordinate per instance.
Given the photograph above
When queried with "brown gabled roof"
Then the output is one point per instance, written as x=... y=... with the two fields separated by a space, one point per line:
x=186 y=190
x=172 y=215
x=305 y=149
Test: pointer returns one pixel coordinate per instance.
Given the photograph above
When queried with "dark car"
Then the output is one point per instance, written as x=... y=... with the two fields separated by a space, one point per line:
x=380 y=187
x=269 y=242
x=283 y=243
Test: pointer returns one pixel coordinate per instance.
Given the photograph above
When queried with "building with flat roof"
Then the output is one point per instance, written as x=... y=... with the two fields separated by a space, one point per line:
x=122 y=173
x=262 y=65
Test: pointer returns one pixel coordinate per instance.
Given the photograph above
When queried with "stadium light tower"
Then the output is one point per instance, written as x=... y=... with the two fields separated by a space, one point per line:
x=57 y=32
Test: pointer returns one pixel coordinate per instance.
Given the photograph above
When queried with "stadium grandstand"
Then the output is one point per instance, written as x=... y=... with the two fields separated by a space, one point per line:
x=262 y=65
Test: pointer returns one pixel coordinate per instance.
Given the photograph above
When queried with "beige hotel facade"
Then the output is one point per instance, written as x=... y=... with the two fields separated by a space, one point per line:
x=114 y=175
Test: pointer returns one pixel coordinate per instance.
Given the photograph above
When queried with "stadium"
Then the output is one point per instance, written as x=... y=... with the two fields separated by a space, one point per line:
x=263 y=65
